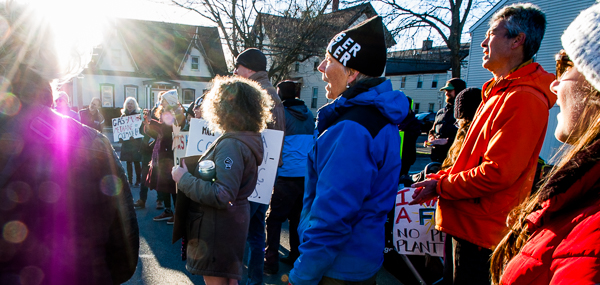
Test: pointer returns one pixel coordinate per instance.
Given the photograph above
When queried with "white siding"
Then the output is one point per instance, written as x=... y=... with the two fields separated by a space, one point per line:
x=558 y=15
x=90 y=87
x=425 y=95
x=202 y=70
x=311 y=78
x=116 y=48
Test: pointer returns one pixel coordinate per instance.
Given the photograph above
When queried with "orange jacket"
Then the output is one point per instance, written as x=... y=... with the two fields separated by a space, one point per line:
x=494 y=170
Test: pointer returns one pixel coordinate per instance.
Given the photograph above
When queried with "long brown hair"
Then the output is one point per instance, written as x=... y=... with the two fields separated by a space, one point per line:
x=461 y=134
x=584 y=133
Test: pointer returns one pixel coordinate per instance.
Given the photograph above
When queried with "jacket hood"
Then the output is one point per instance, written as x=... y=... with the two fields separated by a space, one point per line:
x=529 y=76
x=252 y=140
x=392 y=104
x=296 y=108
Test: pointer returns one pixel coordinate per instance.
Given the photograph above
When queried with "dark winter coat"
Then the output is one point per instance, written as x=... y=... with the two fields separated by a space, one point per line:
x=159 y=176
x=95 y=121
x=564 y=246
x=218 y=214
x=130 y=149
x=443 y=128
x=72 y=200
x=277 y=111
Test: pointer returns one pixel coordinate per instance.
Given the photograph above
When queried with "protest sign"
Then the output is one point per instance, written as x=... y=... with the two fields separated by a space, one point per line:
x=180 y=141
x=200 y=137
x=126 y=127
x=414 y=227
x=272 y=143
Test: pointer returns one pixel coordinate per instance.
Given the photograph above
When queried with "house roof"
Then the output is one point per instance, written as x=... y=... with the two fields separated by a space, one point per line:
x=487 y=15
x=417 y=61
x=157 y=48
x=284 y=29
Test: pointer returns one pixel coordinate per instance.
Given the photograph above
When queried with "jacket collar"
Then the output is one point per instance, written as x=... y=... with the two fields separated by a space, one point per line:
x=578 y=178
x=504 y=82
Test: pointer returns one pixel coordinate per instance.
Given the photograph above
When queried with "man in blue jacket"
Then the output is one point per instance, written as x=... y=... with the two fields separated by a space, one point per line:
x=353 y=168
x=286 y=202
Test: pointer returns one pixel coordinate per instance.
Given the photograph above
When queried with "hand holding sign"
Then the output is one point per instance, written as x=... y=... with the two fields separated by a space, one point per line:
x=178 y=171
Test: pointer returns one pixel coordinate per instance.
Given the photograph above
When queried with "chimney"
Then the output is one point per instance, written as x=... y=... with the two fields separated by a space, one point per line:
x=427 y=45
x=335 y=5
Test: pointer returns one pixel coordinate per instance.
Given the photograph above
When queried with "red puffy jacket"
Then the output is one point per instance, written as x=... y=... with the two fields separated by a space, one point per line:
x=564 y=247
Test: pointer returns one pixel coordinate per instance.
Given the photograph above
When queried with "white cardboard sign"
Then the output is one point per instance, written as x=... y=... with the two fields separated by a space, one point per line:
x=414 y=227
x=200 y=137
x=126 y=127
x=267 y=170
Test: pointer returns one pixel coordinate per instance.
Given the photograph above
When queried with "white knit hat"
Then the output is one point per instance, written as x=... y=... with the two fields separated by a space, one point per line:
x=581 y=41
x=171 y=97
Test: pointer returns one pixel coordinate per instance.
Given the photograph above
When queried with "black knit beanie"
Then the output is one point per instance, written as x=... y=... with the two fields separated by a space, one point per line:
x=466 y=103
x=252 y=59
x=286 y=90
x=361 y=48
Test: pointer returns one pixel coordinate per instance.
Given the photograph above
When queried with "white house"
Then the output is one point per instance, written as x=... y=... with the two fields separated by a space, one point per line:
x=141 y=58
x=420 y=73
x=559 y=15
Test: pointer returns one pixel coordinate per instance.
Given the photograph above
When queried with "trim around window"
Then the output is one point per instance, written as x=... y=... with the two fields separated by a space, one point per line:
x=107 y=95
x=131 y=91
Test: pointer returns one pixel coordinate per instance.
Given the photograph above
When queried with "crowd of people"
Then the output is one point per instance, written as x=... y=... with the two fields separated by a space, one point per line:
x=68 y=211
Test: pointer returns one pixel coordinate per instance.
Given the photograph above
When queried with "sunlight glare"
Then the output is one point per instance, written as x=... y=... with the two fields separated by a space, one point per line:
x=76 y=25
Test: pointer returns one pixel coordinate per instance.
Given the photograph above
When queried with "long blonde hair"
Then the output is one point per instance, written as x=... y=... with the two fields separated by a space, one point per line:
x=135 y=109
x=584 y=133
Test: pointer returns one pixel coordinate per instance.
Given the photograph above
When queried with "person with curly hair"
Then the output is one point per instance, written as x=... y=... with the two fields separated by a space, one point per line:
x=554 y=236
x=218 y=213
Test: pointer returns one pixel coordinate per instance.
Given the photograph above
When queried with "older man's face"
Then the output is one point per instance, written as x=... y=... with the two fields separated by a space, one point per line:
x=496 y=47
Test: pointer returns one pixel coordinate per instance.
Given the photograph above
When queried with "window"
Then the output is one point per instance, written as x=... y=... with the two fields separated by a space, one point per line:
x=195 y=63
x=115 y=56
x=417 y=105
x=189 y=95
x=434 y=83
x=131 y=91
x=403 y=82
x=297 y=66
x=420 y=82
x=313 y=103
x=107 y=95
x=431 y=106
x=316 y=66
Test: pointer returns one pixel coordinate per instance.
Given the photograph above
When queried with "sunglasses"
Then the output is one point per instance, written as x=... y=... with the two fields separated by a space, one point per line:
x=563 y=63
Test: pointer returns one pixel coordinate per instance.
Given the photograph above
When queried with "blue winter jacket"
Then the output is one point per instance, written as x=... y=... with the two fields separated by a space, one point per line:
x=351 y=184
x=299 y=138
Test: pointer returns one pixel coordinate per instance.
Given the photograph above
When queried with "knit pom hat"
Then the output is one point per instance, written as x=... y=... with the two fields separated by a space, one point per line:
x=361 y=47
x=252 y=59
x=171 y=97
x=466 y=103
x=581 y=41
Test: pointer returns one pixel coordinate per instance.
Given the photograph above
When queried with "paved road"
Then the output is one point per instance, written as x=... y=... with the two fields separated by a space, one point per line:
x=160 y=261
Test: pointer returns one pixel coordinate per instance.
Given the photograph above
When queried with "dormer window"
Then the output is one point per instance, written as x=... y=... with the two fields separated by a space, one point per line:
x=195 y=61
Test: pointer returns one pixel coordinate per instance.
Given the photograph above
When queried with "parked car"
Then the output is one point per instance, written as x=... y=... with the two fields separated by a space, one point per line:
x=427 y=119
